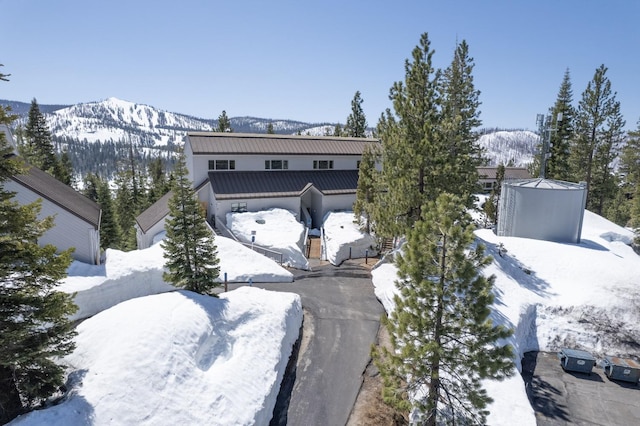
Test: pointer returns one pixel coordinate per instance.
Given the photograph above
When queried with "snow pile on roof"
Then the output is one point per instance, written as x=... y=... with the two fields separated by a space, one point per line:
x=343 y=238
x=180 y=358
x=276 y=229
x=554 y=295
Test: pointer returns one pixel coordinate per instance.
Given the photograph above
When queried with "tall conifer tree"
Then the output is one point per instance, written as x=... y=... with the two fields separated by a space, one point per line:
x=558 y=164
x=38 y=148
x=224 y=124
x=630 y=166
x=356 y=126
x=461 y=155
x=596 y=128
x=34 y=327
x=443 y=340
x=189 y=247
x=367 y=193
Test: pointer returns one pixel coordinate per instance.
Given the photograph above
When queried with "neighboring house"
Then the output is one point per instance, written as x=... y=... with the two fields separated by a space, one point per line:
x=151 y=221
x=76 y=217
x=488 y=175
x=236 y=172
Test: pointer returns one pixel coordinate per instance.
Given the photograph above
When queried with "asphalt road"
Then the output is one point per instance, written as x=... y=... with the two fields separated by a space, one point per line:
x=567 y=398
x=342 y=316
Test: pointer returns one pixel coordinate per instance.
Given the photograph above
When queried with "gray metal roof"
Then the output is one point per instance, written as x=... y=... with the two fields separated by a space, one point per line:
x=154 y=213
x=285 y=183
x=50 y=188
x=248 y=143
x=541 y=183
x=509 y=173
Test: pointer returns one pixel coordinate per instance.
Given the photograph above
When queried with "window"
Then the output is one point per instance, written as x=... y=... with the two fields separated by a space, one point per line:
x=322 y=164
x=358 y=164
x=276 y=164
x=238 y=207
x=222 y=164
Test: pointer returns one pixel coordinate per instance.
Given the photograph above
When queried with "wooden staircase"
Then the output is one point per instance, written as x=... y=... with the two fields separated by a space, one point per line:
x=386 y=245
x=315 y=248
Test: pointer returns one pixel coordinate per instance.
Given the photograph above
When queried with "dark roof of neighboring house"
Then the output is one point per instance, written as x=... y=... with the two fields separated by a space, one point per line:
x=50 y=188
x=154 y=213
x=270 y=144
x=509 y=173
x=285 y=183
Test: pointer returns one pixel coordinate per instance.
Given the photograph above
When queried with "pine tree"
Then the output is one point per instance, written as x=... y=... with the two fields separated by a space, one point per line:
x=110 y=234
x=38 y=148
x=443 y=340
x=126 y=210
x=596 y=127
x=411 y=151
x=562 y=117
x=159 y=184
x=356 y=121
x=224 y=124
x=35 y=330
x=189 y=247
x=90 y=186
x=366 y=194
x=337 y=130
x=630 y=187
x=270 y=130
x=491 y=205
x=63 y=169
x=458 y=171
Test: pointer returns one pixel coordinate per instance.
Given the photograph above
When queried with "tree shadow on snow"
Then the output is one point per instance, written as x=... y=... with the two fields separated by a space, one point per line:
x=542 y=394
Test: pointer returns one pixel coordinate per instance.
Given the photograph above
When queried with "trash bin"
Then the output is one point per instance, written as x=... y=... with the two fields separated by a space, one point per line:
x=626 y=370
x=576 y=360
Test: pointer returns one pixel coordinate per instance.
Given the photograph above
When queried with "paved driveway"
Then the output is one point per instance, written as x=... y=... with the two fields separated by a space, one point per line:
x=342 y=316
x=564 y=398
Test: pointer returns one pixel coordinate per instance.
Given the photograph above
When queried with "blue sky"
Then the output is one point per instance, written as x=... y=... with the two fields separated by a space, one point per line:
x=305 y=60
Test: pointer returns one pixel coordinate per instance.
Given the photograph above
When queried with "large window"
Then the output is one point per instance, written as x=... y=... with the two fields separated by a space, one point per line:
x=276 y=164
x=238 y=207
x=222 y=164
x=322 y=164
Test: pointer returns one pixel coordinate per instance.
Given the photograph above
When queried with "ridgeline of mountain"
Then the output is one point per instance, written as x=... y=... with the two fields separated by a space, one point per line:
x=102 y=132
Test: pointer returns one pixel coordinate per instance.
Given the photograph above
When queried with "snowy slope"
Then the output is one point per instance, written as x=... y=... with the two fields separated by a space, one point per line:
x=555 y=295
x=513 y=146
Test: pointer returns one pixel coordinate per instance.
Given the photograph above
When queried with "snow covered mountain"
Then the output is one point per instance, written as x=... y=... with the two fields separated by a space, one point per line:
x=515 y=147
x=118 y=120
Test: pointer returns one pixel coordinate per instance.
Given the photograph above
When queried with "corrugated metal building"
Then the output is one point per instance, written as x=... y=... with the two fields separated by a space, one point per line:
x=542 y=209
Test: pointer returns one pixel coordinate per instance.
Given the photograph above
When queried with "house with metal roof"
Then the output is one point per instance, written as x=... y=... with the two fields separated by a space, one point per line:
x=76 y=217
x=488 y=176
x=236 y=172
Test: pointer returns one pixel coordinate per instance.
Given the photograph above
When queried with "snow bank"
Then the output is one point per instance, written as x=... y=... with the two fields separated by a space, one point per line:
x=180 y=358
x=276 y=229
x=554 y=295
x=343 y=238
x=241 y=264
x=126 y=275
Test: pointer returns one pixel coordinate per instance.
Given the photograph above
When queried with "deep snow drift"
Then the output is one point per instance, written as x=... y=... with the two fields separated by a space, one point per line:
x=343 y=238
x=555 y=295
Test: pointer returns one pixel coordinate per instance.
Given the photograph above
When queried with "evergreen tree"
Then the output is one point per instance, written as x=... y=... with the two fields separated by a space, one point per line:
x=630 y=170
x=366 y=194
x=595 y=131
x=558 y=163
x=443 y=340
x=91 y=183
x=38 y=148
x=63 y=170
x=604 y=182
x=337 y=130
x=462 y=155
x=126 y=210
x=35 y=330
x=410 y=148
x=189 y=247
x=224 y=124
x=110 y=234
x=356 y=122
x=159 y=184
x=270 y=130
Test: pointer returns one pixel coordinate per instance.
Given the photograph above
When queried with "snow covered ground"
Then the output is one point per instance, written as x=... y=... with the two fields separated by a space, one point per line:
x=344 y=239
x=555 y=295
x=182 y=358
